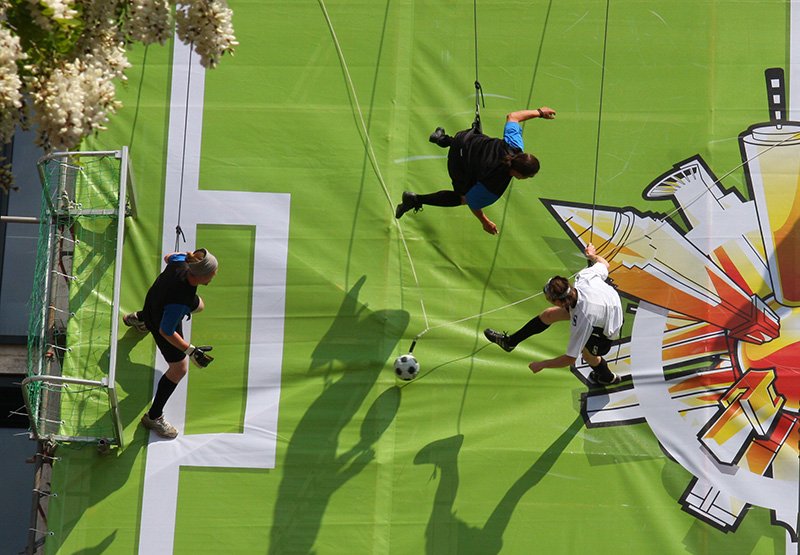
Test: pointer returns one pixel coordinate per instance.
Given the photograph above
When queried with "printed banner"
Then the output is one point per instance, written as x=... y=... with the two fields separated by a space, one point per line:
x=674 y=150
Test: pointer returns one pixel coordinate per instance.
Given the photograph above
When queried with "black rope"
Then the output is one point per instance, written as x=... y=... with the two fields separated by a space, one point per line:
x=538 y=58
x=179 y=235
x=478 y=90
x=478 y=101
x=178 y=231
x=475 y=26
x=599 y=121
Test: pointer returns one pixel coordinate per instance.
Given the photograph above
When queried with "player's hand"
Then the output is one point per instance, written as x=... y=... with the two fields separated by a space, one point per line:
x=547 y=113
x=589 y=251
x=536 y=367
x=198 y=355
x=489 y=227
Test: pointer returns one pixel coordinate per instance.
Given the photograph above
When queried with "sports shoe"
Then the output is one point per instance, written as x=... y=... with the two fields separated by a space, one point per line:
x=593 y=377
x=160 y=426
x=439 y=137
x=132 y=321
x=409 y=202
x=501 y=339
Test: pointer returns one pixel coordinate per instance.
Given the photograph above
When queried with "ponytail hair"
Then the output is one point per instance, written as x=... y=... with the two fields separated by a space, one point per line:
x=527 y=165
x=557 y=288
x=196 y=256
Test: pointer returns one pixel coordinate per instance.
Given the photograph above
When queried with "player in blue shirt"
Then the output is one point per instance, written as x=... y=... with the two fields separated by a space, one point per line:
x=480 y=167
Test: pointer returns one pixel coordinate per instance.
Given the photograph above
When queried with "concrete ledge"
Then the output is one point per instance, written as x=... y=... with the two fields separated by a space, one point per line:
x=13 y=359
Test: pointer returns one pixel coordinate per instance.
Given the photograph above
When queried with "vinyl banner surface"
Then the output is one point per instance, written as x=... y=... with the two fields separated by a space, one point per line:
x=674 y=151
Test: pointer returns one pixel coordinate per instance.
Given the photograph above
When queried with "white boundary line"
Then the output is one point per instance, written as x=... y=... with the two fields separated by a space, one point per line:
x=268 y=213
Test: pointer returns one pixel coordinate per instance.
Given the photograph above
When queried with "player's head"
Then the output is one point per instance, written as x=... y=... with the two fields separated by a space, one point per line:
x=558 y=291
x=522 y=165
x=203 y=265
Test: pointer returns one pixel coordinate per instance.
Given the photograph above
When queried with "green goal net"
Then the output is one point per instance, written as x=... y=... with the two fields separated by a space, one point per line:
x=70 y=389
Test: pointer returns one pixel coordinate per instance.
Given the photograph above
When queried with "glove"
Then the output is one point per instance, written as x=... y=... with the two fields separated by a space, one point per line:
x=198 y=355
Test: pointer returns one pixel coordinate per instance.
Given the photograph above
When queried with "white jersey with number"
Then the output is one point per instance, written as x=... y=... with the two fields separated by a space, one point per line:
x=598 y=306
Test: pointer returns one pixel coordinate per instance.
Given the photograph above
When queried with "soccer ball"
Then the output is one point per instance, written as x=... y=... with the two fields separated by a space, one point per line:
x=406 y=367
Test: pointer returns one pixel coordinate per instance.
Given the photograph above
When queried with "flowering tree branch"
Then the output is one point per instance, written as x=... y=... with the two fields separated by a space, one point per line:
x=60 y=59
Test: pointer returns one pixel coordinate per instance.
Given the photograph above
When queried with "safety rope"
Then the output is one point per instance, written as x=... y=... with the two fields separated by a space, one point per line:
x=178 y=231
x=545 y=23
x=479 y=96
x=372 y=157
x=599 y=121
x=478 y=89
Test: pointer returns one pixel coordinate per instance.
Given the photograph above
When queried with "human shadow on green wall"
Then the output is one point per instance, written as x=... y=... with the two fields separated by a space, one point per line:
x=361 y=341
x=446 y=533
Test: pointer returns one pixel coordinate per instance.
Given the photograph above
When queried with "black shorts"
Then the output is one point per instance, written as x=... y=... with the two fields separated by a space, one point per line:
x=456 y=161
x=170 y=352
x=598 y=343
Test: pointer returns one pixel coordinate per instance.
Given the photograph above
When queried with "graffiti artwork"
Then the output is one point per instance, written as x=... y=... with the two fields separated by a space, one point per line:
x=711 y=360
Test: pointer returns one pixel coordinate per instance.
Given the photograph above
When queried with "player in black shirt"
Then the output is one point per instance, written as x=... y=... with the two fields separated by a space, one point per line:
x=480 y=167
x=173 y=296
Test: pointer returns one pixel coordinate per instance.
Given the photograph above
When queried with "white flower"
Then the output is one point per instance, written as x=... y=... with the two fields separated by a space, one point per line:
x=149 y=21
x=10 y=83
x=61 y=9
x=72 y=102
x=67 y=96
x=206 y=24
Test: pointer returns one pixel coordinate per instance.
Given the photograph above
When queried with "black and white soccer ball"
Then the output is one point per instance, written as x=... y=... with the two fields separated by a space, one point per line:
x=406 y=367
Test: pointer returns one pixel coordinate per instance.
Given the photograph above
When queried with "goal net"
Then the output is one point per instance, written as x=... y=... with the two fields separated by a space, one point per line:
x=70 y=388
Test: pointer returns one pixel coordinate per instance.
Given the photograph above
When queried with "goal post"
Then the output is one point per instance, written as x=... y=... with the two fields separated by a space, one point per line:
x=70 y=389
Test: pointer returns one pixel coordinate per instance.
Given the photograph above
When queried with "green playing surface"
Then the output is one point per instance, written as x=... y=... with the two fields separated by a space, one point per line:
x=477 y=455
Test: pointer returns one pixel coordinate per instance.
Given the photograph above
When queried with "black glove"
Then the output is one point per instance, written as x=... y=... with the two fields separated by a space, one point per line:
x=198 y=355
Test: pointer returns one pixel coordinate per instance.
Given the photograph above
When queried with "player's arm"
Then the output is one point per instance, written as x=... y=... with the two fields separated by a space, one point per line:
x=170 y=318
x=197 y=355
x=558 y=362
x=593 y=257
x=170 y=255
x=523 y=115
x=488 y=225
x=175 y=339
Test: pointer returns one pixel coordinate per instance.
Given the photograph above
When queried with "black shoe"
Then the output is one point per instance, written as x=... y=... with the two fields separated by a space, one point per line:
x=499 y=338
x=615 y=379
x=409 y=202
x=436 y=135
x=440 y=138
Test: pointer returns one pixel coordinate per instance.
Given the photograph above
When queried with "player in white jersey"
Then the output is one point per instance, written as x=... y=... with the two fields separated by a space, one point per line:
x=594 y=310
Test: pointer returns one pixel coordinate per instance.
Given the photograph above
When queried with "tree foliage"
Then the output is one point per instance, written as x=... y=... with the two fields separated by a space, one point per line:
x=60 y=59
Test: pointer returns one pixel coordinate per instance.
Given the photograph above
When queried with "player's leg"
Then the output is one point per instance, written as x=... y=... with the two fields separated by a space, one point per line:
x=178 y=366
x=413 y=201
x=596 y=347
x=533 y=327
